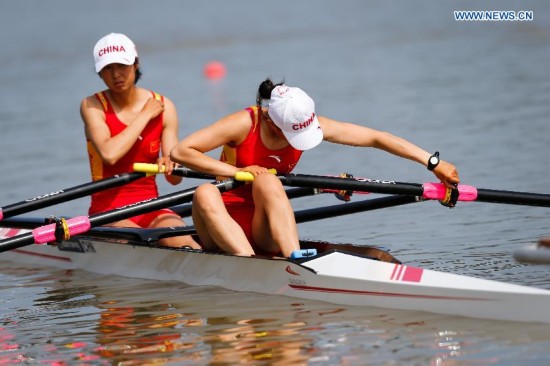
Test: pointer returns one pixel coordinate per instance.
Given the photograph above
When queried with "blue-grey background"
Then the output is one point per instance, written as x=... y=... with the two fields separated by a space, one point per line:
x=478 y=92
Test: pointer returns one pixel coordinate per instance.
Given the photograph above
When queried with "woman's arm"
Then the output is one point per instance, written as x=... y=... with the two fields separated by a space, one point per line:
x=355 y=135
x=113 y=148
x=169 y=139
x=191 y=151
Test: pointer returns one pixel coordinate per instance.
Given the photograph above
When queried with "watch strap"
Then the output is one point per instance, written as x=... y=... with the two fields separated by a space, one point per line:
x=431 y=166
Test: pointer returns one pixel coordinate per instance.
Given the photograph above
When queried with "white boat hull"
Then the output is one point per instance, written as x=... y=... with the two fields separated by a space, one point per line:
x=334 y=276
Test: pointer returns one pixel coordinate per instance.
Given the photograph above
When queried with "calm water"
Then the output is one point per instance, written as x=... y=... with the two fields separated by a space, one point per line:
x=477 y=92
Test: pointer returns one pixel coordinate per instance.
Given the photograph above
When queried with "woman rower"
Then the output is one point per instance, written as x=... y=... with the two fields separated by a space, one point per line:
x=125 y=124
x=258 y=217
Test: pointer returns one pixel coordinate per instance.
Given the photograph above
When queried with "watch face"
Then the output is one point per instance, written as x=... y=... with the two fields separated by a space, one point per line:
x=434 y=160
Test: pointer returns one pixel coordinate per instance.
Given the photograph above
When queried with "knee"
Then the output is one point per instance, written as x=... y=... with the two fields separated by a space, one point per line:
x=269 y=186
x=206 y=197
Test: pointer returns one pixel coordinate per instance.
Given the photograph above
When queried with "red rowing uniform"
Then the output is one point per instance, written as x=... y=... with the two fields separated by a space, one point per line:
x=252 y=151
x=146 y=149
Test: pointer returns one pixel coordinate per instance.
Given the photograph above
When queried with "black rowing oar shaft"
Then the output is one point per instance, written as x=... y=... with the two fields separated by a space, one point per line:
x=355 y=184
x=434 y=191
x=320 y=213
x=64 y=195
x=514 y=198
x=82 y=224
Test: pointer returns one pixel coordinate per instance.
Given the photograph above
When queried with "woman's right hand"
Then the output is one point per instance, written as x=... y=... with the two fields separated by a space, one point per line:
x=255 y=170
x=153 y=107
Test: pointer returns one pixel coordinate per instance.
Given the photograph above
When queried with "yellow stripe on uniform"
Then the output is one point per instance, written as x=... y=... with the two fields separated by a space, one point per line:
x=103 y=101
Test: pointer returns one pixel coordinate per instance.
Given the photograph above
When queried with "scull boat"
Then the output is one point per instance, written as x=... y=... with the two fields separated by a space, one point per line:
x=339 y=273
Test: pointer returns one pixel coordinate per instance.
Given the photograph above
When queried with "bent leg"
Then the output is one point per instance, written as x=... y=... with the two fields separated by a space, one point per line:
x=216 y=228
x=170 y=220
x=274 y=226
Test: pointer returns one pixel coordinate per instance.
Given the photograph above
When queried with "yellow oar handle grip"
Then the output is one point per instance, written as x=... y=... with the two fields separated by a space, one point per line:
x=150 y=169
x=248 y=177
x=244 y=176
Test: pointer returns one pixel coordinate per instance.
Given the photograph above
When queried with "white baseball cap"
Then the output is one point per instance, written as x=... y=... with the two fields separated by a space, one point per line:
x=114 y=48
x=293 y=111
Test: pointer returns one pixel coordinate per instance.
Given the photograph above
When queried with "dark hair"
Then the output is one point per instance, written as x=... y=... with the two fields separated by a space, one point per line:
x=138 y=75
x=264 y=91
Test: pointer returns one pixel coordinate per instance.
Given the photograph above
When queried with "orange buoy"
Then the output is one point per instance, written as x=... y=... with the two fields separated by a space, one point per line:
x=214 y=70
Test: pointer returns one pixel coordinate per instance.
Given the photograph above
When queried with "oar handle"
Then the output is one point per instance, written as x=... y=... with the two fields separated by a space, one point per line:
x=149 y=169
x=248 y=177
x=152 y=169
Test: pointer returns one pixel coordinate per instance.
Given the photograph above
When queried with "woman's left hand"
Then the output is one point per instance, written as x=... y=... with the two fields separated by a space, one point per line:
x=166 y=165
x=447 y=174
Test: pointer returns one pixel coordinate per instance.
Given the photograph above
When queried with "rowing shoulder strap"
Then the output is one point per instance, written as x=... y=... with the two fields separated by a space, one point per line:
x=157 y=96
x=102 y=100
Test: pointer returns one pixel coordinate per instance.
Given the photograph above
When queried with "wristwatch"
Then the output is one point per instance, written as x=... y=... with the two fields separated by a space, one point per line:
x=433 y=161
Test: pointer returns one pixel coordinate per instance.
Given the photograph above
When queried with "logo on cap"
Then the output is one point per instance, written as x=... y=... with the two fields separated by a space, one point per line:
x=282 y=90
x=110 y=49
x=305 y=124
